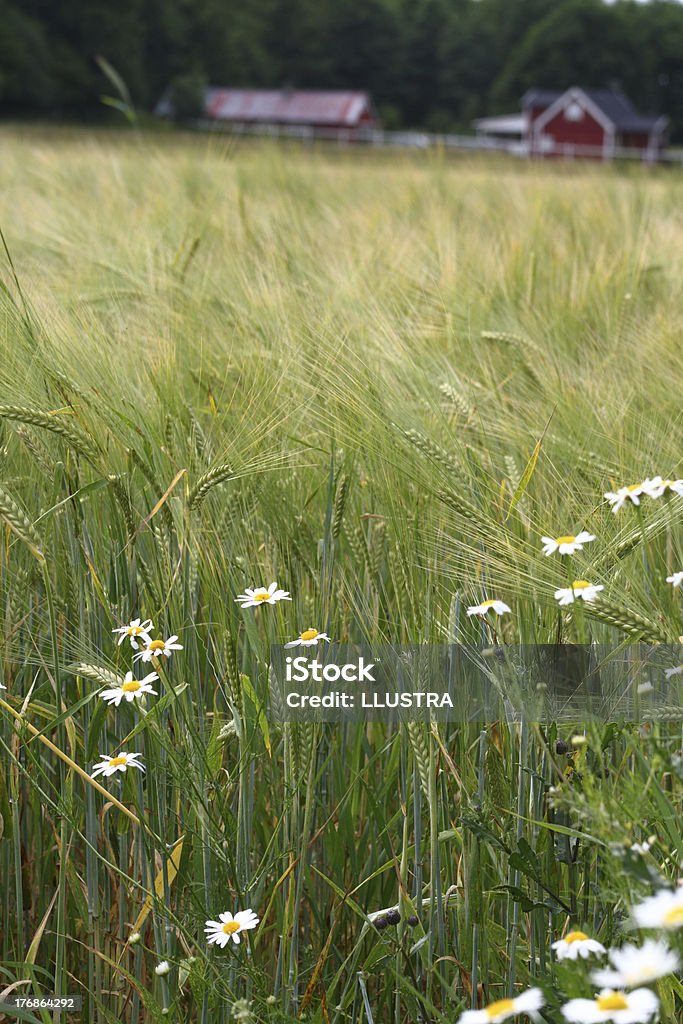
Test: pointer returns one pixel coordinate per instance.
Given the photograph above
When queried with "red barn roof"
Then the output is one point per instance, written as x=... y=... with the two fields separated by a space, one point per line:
x=289 y=106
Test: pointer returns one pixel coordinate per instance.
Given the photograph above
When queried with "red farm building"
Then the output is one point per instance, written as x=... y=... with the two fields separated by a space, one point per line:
x=251 y=109
x=590 y=123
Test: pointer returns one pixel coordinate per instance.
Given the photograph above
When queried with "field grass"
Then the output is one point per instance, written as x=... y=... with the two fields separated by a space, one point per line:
x=377 y=380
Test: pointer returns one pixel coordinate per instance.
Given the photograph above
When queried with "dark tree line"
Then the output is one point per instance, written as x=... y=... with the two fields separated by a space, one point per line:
x=429 y=63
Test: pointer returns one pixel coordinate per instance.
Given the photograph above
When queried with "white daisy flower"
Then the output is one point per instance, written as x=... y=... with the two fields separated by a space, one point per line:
x=309 y=638
x=158 y=649
x=642 y=849
x=529 y=1002
x=677 y=671
x=163 y=968
x=664 y=910
x=567 y=545
x=137 y=630
x=228 y=927
x=499 y=607
x=675 y=580
x=2 y=687
x=579 y=589
x=637 y=965
x=656 y=487
x=252 y=598
x=109 y=765
x=618 y=499
x=130 y=689
x=635 y=1007
x=577 y=944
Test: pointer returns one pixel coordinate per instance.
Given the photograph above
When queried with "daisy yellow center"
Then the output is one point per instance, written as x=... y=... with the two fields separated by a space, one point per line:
x=156 y=645
x=487 y=604
x=131 y=686
x=116 y=762
x=580 y=584
x=566 y=540
x=614 y=1001
x=575 y=937
x=135 y=630
x=261 y=595
x=230 y=927
x=674 y=918
x=309 y=634
x=502 y=1006
x=633 y=487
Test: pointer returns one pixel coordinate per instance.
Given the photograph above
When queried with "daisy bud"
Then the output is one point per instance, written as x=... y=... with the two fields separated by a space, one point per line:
x=163 y=968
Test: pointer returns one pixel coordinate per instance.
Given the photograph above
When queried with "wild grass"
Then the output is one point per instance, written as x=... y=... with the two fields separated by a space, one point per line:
x=377 y=380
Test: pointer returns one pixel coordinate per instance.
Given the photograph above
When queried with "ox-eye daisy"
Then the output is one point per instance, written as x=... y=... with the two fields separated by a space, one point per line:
x=566 y=545
x=262 y=595
x=635 y=1007
x=529 y=1002
x=2 y=687
x=618 y=499
x=664 y=910
x=577 y=944
x=677 y=671
x=158 y=649
x=109 y=765
x=676 y=579
x=130 y=689
x=579 y=589
x=228 y=927
x=309 y=638
x=499 y=607
x=656 y=487
x=637 y=965
x=137 y=632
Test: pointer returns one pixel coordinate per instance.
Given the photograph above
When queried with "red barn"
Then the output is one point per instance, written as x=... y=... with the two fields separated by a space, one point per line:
x=595 y=123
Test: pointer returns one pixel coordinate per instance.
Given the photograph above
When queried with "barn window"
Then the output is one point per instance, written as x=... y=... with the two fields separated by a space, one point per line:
x=574 y=112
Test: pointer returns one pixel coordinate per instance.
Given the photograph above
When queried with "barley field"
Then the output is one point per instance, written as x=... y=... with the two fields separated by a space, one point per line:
x=377 y=381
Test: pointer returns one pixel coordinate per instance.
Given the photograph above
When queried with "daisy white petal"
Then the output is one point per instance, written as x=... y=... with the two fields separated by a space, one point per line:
x=637 y=965
x=499 y=607
x=130 y=690
x=136 y=631
x=656 y=487
x=529 y=1002
x=158 y=649
x=663 y=910
x=618 y=499
x=577 y=944
x=252 y=598
x=567 y=544
x=229 y=927
x=637 y=1007
x=109 y=765
x=579 y=589
x=309 y=638
x=676 y=579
